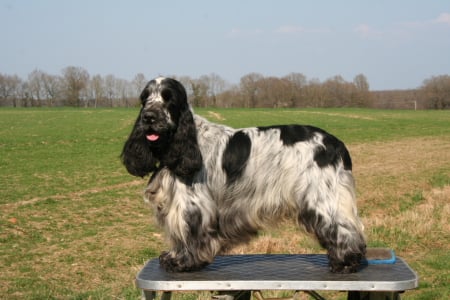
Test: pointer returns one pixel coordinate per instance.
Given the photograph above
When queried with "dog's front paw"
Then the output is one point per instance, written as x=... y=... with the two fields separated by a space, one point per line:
x=350 y=264
x=173 y=262
x=168 y=262
x=343 y=269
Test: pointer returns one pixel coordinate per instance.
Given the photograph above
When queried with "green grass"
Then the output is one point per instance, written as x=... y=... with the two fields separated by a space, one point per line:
x=48 y=152
x=73 y=226
x=351 y=125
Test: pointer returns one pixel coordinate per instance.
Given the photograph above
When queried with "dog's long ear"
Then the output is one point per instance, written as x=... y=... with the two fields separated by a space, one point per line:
x=184 y=157
x=136 y=154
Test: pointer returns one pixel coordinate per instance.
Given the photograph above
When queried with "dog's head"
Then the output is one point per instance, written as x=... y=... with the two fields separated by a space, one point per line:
x=164 y=134
x=163 y=101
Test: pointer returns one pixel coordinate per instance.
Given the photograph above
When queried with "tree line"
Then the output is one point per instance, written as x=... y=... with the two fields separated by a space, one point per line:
x=75 y=87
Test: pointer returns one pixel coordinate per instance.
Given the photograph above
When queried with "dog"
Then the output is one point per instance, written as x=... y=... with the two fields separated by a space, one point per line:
x=214 y=186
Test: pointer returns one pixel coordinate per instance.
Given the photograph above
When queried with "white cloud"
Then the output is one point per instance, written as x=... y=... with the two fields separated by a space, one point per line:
x=365 y=31
x=290 y=29
x=443 y=18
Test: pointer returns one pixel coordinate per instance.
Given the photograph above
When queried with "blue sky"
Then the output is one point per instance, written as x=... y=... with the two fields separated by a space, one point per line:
x=396 y=44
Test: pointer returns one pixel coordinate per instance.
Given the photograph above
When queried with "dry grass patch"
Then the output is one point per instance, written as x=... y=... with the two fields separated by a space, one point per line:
x=387 y=171
x=89 y=244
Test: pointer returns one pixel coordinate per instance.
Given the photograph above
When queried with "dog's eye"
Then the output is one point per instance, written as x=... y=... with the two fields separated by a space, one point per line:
x=166 y=94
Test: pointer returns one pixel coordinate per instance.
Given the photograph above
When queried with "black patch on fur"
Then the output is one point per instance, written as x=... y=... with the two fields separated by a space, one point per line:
x=313 y=223
x=183 y=156
x=135 y=155
x=195 y=219
x=332 y=152
x=291 y=134
x=236 y=155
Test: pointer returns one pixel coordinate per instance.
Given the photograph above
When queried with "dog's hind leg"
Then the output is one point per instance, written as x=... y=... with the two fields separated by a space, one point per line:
x=344 y=241
x=330 y=213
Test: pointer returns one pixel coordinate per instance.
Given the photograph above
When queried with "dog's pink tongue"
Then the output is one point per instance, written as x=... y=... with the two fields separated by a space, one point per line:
x=152 y=137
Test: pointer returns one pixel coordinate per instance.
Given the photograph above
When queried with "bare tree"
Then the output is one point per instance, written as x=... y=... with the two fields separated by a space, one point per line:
x=231 y=97
x=186 y=81
x=214 y=86
x=139 y=81
x=361 y=83
x=117 y=91
x=123 y=92
x=52 y=87
x=254 y=90
x=436 y=92
x=336 y=93
x=273 y=92
x=199 y=92
x=36 y=87
x=75 y=83
x=315 y=93
x=43 y=87
x=362 y=96
x=110 y=89
x=9 y=85
x=23 y=94
x=249 y=88
x=96 y=88
x=297 y=85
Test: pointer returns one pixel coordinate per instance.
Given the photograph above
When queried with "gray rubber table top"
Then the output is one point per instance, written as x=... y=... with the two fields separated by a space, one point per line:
x=277 y=272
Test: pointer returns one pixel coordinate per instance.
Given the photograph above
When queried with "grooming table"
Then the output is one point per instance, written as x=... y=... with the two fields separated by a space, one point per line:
x=303 y=272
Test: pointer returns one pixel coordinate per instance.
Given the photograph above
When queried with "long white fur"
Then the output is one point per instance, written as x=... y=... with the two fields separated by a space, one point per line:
x=278 y=182
x=206 y=211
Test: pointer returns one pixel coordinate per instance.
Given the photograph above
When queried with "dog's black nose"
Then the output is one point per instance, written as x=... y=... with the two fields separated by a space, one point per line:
x=149 y=117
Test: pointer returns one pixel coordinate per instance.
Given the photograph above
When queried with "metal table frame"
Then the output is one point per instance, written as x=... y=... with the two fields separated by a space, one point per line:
x=299 y=272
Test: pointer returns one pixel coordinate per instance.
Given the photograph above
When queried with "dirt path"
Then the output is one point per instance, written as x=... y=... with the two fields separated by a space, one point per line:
x=216 y=115
x=74 y=195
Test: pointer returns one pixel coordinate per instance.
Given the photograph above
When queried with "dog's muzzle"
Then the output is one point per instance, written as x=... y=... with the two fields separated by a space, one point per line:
x=156 y=125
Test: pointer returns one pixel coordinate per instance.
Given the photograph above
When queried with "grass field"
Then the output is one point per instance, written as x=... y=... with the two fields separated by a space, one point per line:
x=73 y=225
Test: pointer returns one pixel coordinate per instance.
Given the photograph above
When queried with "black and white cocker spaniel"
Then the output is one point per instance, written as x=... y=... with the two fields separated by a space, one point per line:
x=214 y=186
